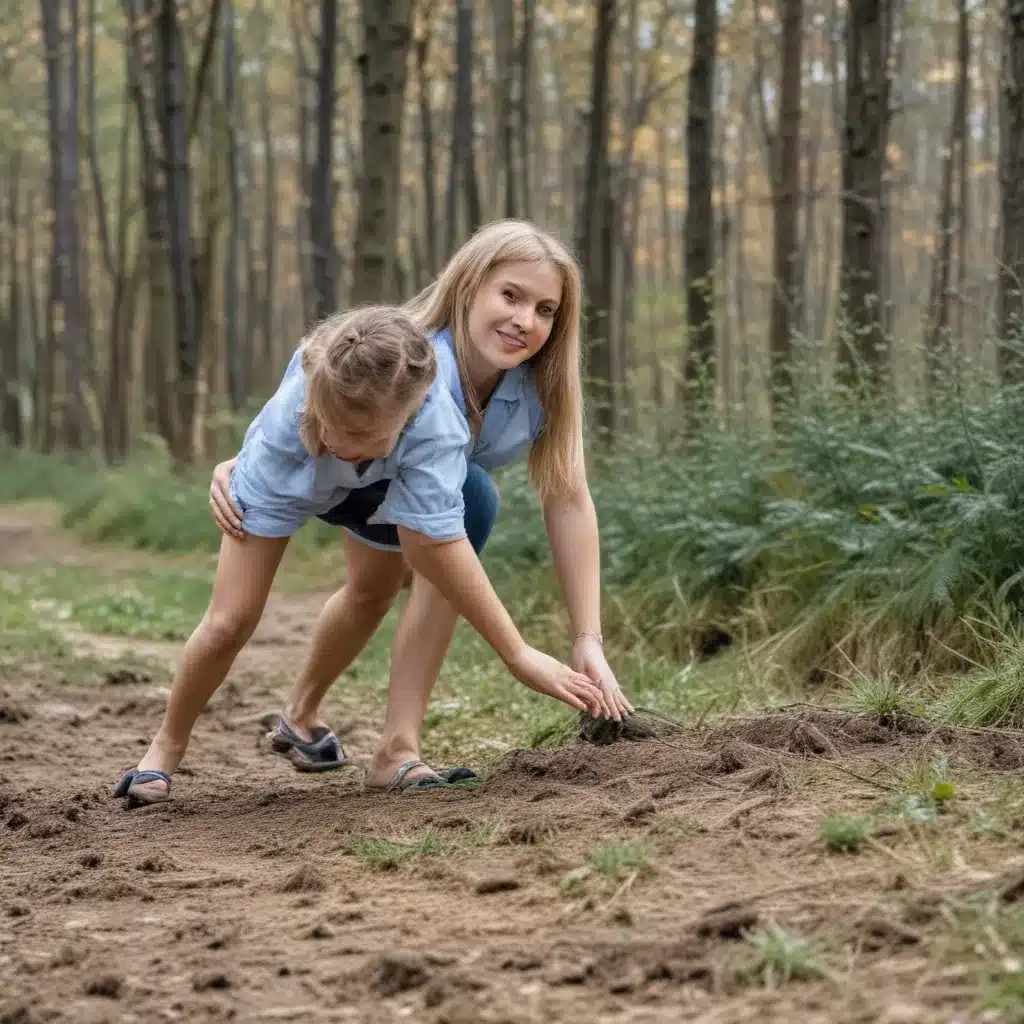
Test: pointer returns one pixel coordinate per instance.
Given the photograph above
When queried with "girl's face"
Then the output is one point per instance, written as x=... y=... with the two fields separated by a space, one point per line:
x=513 y=311
x=361 y=436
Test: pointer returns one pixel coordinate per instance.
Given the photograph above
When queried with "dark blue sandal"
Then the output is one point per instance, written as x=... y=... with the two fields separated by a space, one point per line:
x=132 y=778
x=323 y=753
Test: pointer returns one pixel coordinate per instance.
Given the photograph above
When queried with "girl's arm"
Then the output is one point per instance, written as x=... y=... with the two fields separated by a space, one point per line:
x=454 y=569
x=571 y=524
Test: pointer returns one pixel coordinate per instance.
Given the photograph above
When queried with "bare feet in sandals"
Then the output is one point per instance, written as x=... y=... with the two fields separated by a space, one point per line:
x=150 y=781
x=391 y=774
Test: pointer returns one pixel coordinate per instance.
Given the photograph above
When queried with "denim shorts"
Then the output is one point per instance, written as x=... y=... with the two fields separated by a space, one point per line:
x=478 y=493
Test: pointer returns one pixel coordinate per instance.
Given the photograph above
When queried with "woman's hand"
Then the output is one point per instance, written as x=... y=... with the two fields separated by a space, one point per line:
x=588 y=658
x=225 y=513
x=545 y=674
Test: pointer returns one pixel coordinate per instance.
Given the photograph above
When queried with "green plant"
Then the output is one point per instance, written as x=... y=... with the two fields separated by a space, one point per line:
x=844 y=834
x=778 y=957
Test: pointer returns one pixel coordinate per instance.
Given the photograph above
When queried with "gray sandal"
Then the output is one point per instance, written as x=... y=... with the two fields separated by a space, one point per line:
x=401 y=783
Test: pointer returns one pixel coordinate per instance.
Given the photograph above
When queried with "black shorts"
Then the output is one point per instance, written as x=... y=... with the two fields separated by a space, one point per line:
x=358 y=506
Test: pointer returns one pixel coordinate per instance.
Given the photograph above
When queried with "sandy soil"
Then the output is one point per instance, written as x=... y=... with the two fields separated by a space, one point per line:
x=243 y=899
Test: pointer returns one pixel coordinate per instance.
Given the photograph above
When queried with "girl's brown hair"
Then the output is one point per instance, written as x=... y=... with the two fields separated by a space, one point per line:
x=556 y=464
x=359 y=362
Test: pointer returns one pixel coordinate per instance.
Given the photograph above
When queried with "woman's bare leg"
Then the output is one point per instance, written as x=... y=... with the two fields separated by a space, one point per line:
x=422 y=639
x=245 y=572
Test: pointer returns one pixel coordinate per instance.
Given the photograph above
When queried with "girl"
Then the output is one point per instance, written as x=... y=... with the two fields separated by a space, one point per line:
x=360 y=402
x=504 y=319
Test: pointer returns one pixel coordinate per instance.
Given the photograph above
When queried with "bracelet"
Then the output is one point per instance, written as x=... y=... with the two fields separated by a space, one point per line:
x=591 y=633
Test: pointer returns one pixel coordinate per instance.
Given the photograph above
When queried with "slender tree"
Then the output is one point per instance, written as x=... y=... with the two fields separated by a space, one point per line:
x=387 y=35
x=1011 y=159
x=699 y=372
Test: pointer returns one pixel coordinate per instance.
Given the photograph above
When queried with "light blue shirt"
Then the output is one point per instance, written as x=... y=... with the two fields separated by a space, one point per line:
x=279 y=485
x=513 y=419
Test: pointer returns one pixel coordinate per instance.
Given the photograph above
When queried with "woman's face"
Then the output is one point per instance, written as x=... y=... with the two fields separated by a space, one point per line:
x=513 y=312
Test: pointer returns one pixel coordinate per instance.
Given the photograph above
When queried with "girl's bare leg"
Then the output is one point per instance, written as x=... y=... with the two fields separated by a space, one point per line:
x=245 y=572
x=343 y=628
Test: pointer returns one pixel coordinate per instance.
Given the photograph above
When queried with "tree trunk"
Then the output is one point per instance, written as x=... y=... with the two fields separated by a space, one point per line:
x=173 y=88
x=938 y=340
x=160 y=375
x=10 y=340
x=462 y=178
x=431 y=223
x=321 y=200
x=237 y=384
x=387 y=30
x=699 y=366
x=117 y=425
x=594 y=230
x=504 y=17
x=65 y=307
x=786 y=293
x=1011 y=160
x=94 y=157
x=525 y=97
x=270 y=201
x=863 y=349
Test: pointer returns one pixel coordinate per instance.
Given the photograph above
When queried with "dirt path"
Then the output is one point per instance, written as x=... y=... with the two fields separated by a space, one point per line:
x=258 y=894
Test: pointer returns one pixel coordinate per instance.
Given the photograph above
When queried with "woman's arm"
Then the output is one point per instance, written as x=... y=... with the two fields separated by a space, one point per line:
x=454 y=569
x=227 y=515
x=571 y=523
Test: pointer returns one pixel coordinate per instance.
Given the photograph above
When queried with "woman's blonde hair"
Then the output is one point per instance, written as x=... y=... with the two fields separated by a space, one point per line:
x=556 y=460
x=359 y=362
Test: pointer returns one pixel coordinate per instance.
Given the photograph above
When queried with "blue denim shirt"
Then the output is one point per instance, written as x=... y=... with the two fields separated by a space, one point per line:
x=513 y=418
x=279 y=485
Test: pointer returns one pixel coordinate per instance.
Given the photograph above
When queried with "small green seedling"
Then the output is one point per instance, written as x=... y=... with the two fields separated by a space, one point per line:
x=845 y=834
x=779 y=957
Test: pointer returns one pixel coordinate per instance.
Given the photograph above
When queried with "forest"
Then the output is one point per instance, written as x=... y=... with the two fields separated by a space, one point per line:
x=800 y=226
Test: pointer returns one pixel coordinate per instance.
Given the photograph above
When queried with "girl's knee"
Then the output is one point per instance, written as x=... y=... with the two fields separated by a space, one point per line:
x=378 y=590
x=229 y=629
x=482 y=500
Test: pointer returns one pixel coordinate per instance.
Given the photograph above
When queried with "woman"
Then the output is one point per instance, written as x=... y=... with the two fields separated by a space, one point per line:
x=504 y=317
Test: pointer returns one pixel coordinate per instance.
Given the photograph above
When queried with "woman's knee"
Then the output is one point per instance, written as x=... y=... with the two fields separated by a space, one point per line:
x=482 y=502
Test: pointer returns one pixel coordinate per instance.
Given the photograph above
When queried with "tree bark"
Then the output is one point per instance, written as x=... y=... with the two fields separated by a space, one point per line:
x=786 y=293
x=1011 y=160
x=431 y=222
x=387 y=30
x=938 y=340
x=699 y=371
x=863 y=347
x=462 y=177
x=65 y=307
x=321 y=201
x=173 y=88
x=237 y=384
x=595 y=230
x=11 y=426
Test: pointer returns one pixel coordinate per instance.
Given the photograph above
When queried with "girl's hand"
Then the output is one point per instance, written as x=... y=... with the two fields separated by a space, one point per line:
x=545 y=674
x=588 y=658
x=225 y=513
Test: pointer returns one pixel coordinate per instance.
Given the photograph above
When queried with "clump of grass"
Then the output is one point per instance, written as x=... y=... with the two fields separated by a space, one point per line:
x=883 y=697
x=778 y=957
x=384 y=853
x=675 y=828
x=554 y=731
x=845 y=834
x=619 y=860
x=992 y=696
